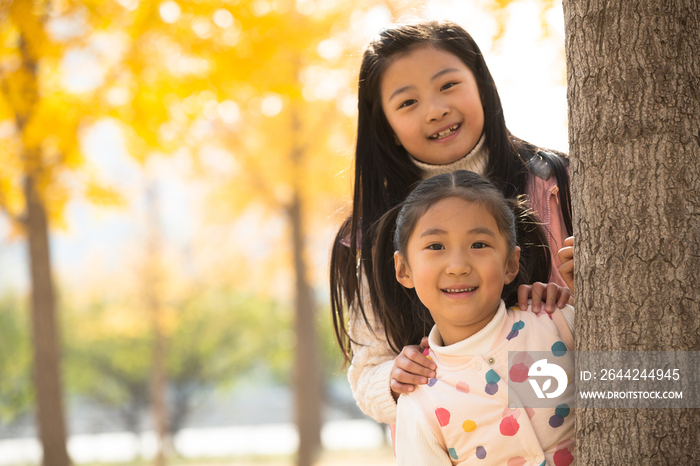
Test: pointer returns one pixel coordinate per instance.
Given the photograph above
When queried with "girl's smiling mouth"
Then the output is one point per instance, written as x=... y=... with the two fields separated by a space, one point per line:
x=459 y=290
x=445 y=133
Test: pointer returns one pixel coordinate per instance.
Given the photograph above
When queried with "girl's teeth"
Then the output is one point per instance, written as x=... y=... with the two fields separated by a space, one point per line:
x=447 y=132
x=451 y=290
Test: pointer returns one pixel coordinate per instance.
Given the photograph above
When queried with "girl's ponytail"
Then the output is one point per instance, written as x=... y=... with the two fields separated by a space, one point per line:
x=405 y=319
x=535 y=256
x=343 y=289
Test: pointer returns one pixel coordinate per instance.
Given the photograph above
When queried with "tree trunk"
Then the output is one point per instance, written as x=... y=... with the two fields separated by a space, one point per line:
x=634 y=118
x=307 y=368
x=153 y=284
x=307 y=380
x=47 y=374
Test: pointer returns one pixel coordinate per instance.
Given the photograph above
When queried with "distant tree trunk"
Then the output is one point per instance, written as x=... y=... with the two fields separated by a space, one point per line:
x=153 y=284
x=634 y=130
x=47 y=356
x=307 y=379
x=307 y=373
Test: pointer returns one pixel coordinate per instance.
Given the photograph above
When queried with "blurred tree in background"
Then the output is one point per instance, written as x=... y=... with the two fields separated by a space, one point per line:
x=248 y=81
x=215 y=337
x=40 y=145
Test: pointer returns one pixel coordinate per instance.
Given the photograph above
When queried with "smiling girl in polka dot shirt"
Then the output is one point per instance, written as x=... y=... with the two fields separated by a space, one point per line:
x=454 y=244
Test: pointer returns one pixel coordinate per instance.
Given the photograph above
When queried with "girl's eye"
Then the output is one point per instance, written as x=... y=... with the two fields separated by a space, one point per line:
x=407 y=103
x=436 y=247
x=479 y=245
x=447 y=86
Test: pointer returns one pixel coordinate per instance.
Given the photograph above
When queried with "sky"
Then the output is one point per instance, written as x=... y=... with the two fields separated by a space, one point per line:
x=528 y=68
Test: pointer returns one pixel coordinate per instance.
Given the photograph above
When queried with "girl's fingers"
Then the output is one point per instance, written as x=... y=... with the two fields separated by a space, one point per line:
x=538 y=290
x=567 y=273
x=415 y=355
x=552 y=296
x=523 y=295
x=564 y=295
x=399 y=388
x=425 y=368
x=424 y=344
x=567 y=267
x=410 y=378
x=566 y=254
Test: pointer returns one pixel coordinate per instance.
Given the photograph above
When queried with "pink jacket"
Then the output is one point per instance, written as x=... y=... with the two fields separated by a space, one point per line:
x=545 y=202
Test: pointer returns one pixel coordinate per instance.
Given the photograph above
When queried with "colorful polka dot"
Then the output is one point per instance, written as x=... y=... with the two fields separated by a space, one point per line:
x=518 y=373
x=519 y=325
x=443 y=416
x=517 y=461
x=480 y=452
x=563 y=458
x=463 y=387
x=492 y=379
x=469 y=426
x=432 y=382
x=559 y=348
x=556 y=421
x=530 y=412
x=509 y=426
x=562 y=410
x=543 y=463
x=560 y=413
x=453 y=453
x=426 y=351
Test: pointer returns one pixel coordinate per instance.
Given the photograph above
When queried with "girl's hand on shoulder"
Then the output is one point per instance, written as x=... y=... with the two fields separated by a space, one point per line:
x=550 y=293
x=566 y=256
x=411 y=368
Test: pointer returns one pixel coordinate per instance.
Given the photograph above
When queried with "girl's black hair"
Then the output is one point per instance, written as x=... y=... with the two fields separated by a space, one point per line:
x=384 y=173
x=404 y=317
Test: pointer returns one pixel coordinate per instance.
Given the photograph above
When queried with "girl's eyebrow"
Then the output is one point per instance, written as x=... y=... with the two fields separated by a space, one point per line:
x=435 y=76
x=473 y=231
x=440 y=73
x=399 y=91
x=482 y=230
x=432 y=231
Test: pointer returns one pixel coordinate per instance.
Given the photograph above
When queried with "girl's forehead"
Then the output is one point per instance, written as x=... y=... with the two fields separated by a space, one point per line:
x=455 y=213
x=419 y=52
x=421 y=57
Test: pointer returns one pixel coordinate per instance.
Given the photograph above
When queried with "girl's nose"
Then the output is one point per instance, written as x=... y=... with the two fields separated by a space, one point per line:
x=458 y=265
x=437 y=110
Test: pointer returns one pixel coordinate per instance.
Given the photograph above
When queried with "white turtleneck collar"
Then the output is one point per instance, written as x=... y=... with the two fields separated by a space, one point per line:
x=475 y=161
x=479 y=343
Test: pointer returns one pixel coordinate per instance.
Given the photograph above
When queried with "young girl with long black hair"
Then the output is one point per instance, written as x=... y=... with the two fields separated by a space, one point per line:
x=427 y=105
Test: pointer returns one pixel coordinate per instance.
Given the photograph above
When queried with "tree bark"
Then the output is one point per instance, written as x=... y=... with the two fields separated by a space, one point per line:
x=47 y=355
x=634 y=133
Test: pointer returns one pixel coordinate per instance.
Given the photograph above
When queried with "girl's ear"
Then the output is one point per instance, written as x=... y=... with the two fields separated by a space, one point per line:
x=513 y=265
x=403 y=273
